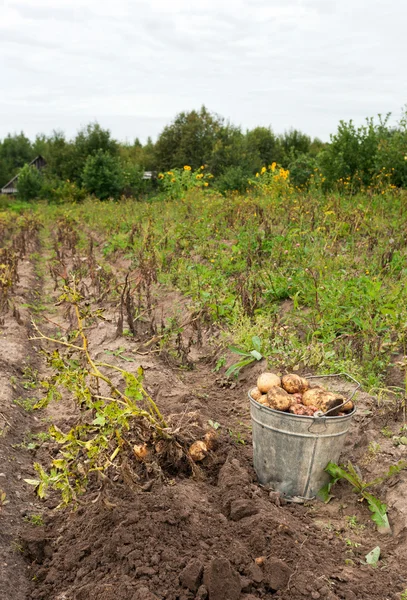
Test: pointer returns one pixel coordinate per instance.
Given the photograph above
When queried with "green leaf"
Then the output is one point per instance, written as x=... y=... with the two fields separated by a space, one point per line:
x=338 y=472
x=379 y=515
x=256 y=341
x=324 y=493
x=239 y=365
x=373 y=557
x=237 y=351
x=99 y=420
x=256 y=354
x=34 y=482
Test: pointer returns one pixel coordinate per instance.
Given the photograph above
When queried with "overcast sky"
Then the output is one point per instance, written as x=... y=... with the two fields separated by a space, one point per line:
x=132 y=65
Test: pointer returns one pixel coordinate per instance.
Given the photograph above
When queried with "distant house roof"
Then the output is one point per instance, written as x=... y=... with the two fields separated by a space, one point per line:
x=11 y=187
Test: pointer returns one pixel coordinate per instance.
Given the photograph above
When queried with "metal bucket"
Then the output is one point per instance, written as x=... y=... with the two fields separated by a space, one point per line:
x=290 y=452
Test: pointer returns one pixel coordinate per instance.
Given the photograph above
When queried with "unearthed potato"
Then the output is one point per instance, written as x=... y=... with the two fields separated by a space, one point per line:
x=348 y=407
x=330 y=401
x=263 y=400
x=297 y=398
x=312 y=397
x=297 y=409
x=294 y=384
x=279 y=399
x=141 y=451
x=324 y=401
x=198 y=451
x=211 y=440
x=268 y=380
x=255 y=393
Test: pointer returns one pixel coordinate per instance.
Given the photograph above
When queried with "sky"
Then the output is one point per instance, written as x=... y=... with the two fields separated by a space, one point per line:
x=132 y=65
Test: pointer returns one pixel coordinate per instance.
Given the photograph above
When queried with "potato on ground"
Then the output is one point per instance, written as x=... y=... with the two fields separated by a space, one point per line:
x=266 y=381
x=198 y=450
x=279 y=399
x=294 y=384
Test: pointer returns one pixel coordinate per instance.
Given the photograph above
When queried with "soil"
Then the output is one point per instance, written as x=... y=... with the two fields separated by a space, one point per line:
x=217 y=535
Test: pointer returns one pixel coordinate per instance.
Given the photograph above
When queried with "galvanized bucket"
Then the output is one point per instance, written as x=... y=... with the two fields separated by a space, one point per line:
x=290 y=452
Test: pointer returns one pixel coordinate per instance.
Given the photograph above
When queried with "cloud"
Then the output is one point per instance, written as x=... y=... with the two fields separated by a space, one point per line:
x=134 y=64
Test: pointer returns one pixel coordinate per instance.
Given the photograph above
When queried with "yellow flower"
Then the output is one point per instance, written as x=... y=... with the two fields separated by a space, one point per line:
x=173 y=180
x=206 y=184
x=263 y=170
x=160 y=176
x=203 y=166
x=199 y=176
x=187 y=168
x=273 y=166
x=257 y=175
x=170 y=173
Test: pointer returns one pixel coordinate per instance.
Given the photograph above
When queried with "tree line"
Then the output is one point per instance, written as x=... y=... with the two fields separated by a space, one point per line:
x=94 y=162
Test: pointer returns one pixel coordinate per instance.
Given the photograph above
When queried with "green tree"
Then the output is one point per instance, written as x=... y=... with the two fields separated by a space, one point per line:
x=293 y=144
x=102 y=175
x=352 y=152
x=189 y=140
x=262 y=142
x=29 y=184
x=15 y=151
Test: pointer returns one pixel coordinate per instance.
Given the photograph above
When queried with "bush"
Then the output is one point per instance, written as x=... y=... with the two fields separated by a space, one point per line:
x=102 y=175
x=301 y=170
x=233 y=179
x=29 y=184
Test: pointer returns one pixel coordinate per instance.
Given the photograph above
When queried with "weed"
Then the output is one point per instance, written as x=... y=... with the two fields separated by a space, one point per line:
x=353 y=523
x=28 y=404
x=377 y=508
x=3 y=498
x=35 y=520
x=237 y=437
x=219 y=364
x=249 y=357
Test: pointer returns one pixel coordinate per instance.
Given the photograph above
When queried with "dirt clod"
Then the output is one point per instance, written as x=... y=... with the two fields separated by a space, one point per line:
x=276 y=573
x=221 y=580
x=191 y=575
x=241 y=508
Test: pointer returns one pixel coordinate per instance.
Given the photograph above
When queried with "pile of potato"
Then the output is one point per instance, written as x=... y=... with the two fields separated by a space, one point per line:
x=294 y=394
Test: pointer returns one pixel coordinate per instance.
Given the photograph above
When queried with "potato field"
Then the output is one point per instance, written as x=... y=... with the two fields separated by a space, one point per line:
x=130 y=335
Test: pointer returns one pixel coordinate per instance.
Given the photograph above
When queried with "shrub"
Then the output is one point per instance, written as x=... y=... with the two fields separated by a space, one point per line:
x=102 y=175
x=29 y=183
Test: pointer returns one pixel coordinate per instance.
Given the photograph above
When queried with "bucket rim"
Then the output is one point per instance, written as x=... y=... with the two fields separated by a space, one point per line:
x=292 y=416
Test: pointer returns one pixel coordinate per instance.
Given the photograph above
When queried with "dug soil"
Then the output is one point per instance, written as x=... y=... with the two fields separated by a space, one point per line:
x=216 y=534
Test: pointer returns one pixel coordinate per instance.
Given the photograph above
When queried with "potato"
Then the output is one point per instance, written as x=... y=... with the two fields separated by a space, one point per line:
x=330 y=401
x=294 y=384
x=198 y=451
x=263 y=400
x=322 y=400
x=140 y=451
x=279 y=399
x=255 y=393
x=297 y=398
x=348 y=407
x=297 y=409
x=312 y=396
x=268 y=380
x=211 y=440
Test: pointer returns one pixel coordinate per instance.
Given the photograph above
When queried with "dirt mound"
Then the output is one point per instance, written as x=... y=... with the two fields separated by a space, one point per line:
x=194 y=540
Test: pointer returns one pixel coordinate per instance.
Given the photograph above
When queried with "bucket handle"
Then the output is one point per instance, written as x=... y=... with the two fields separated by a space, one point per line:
x=358 y=385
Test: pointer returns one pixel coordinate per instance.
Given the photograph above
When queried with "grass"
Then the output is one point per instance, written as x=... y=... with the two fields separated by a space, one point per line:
x=320 y=279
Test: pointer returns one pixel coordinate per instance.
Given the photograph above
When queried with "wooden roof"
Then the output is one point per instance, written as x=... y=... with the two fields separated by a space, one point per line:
x=11 y=187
